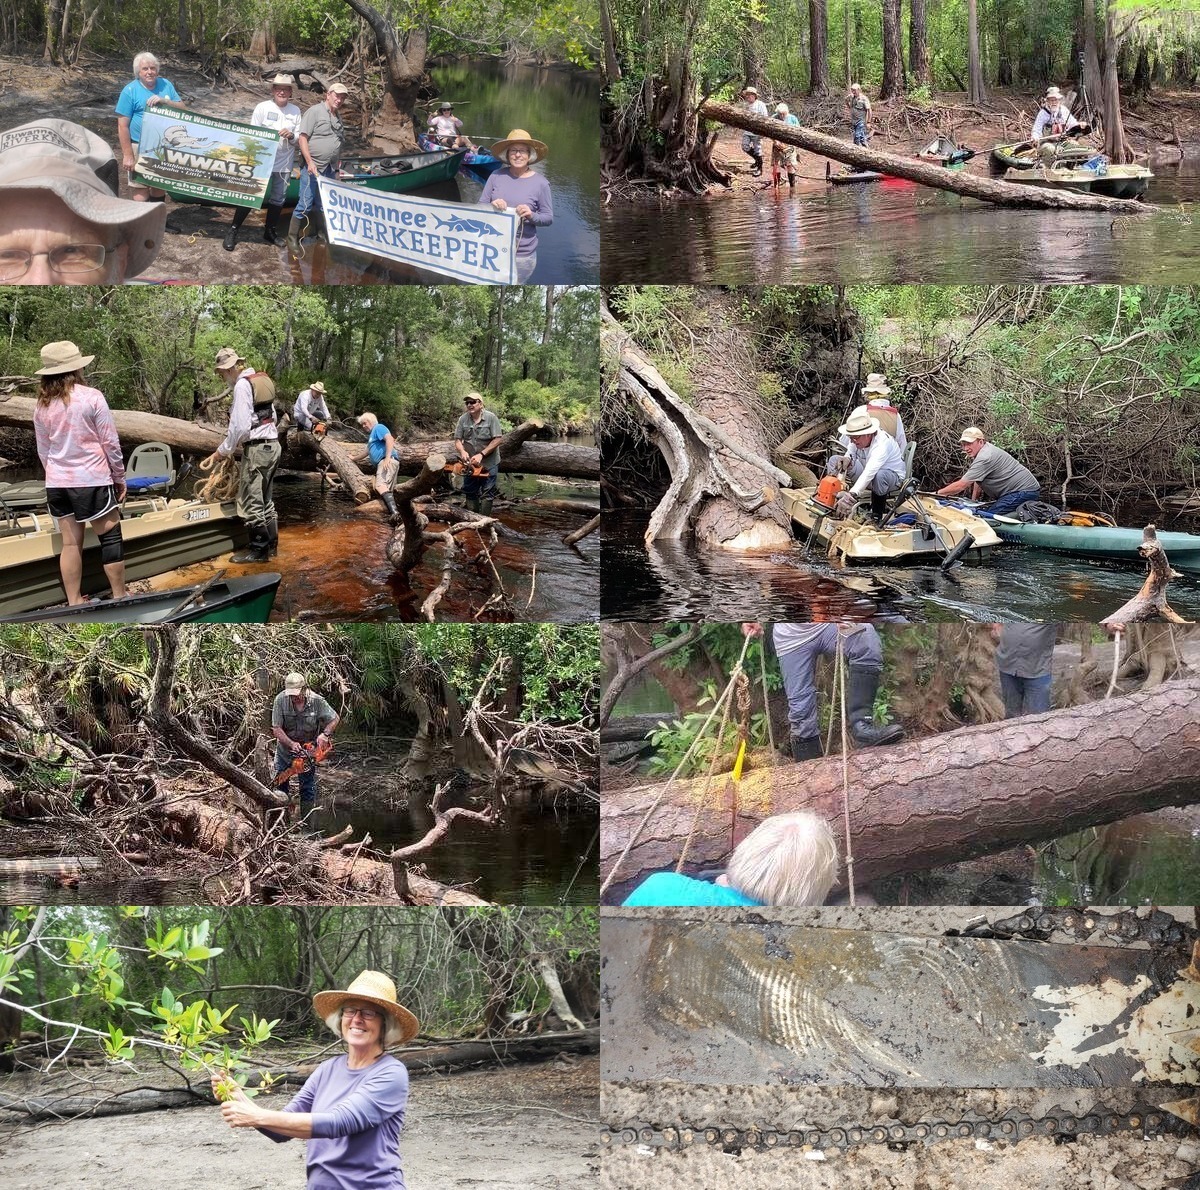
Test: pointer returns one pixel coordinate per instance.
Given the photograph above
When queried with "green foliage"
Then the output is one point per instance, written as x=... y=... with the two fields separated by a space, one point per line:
x=673 y=739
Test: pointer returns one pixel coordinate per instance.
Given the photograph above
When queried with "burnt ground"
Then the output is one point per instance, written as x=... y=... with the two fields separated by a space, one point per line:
x=526 y=1128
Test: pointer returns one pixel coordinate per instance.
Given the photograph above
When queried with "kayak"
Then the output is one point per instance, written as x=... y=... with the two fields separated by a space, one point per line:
x=848 y=179
x=394 y=174
x=480 y=166
x=905 y=539
x=1118 y=181
x=1069 y=153
x=245 y=600
x=1117 y=544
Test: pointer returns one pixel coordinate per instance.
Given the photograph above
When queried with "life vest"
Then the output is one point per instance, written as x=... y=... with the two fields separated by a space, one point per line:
x=264 y=399
x=888 y=417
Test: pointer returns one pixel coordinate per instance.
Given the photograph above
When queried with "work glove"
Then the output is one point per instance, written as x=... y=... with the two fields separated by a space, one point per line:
x=845 y=504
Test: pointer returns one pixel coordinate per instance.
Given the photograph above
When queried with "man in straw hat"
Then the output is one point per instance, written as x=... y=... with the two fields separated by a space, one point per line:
x=519 y=188
x=310 y=407
x=300 y=716
x=61 y=222
x=994 y=475
x=872 y=464
x=253 y=425
x=1054 y=117
x=320 y=136
x=752 y=143
x=283 y=116
x=351 y=1108
x=877 y=396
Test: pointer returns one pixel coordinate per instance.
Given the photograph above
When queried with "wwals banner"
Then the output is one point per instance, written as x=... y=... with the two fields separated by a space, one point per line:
x=193 y=156
x=469 y=243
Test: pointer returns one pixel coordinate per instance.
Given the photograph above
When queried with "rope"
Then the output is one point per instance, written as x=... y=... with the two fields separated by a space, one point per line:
x=762 y=674
x=637 y=834
x=840 y=683
x=221 y=485
x=1112 y=685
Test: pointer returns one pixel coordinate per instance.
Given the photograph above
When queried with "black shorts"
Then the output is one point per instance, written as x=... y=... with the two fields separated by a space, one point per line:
x=84 y=504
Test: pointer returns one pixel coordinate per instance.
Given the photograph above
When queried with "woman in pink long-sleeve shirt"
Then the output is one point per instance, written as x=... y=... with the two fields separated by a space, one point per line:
x=85 y=472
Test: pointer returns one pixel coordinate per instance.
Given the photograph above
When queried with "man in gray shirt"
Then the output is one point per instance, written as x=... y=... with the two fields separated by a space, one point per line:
x=300 y=717
x=477 y=443
x=1024 y=657
x=994 y=475
x=320 y=138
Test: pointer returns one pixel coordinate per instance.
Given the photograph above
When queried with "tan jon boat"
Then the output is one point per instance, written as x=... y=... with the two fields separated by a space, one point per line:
x=938 y=530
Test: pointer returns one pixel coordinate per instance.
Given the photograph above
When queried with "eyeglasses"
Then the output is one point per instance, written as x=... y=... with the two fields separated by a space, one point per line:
x=369 y=1015
x=519 y=149
x=66 y=258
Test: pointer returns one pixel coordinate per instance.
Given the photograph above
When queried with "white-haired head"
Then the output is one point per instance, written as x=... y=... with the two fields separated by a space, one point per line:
x=788 y=859
x=145 y=58
x=368 y=421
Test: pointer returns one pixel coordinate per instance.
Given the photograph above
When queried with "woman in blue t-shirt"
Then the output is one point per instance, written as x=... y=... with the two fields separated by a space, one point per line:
x=146 y=90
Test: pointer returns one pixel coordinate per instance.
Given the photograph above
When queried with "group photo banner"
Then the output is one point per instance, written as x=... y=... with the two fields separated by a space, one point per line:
x=467 y=243
x=205 y=157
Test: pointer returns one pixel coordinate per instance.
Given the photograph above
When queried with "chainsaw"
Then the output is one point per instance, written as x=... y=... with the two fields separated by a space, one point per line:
x=461 y=468
x=309 y=756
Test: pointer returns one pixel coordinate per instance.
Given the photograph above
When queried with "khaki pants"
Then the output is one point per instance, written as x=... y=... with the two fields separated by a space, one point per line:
x=386 y=475
x=255 y=503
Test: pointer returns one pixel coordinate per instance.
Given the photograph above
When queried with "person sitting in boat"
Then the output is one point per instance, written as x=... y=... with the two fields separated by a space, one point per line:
x=860 y=114
x=85 y=474
x=446 y=129
x=878 y=395
x=799 y=647
x=320 y=136
x=751 y=142
x=298 y=717
x=384 y=456
x=788 y=859
x=283 y=116
x=783 y=156
x=1054 y=117
x=873 y=463
x=515 y=185
x=310 y=409
x=61 y=222
x=994 y=476
x=477 y=442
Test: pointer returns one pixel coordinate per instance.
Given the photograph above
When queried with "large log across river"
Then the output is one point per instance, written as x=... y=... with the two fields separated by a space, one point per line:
x=991 y=190
x=944 y=799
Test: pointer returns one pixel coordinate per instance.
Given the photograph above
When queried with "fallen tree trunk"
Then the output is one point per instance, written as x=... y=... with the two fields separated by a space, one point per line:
x=582 y=531
x=1150 y=603
x=338 y=455
x=133 y=427
x=533 y=458
x=632 y=727
x=944 y=799
x=990 y=190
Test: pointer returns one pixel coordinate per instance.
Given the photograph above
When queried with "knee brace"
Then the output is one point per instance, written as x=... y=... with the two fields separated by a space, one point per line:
x=112 y=548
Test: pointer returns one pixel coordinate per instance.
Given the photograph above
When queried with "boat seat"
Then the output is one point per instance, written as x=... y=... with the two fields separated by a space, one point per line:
x=151 y=468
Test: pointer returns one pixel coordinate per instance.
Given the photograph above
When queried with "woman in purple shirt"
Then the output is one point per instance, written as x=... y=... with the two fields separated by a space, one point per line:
x=85 y=473
x=517 y=187
x=351 y=1109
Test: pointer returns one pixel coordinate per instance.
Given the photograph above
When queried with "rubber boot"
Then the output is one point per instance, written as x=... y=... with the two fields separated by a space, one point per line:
x=294 y=232
x=231 y=236
x=791 y=181
x=322 y=230
x=472 y=503
x=485 y=507
x=879 y=505
x=806 y=747
x=271 y=230
x=389 y=502
x=756 y=172
x=863 y=685
x=272 y=537
x=259 y=549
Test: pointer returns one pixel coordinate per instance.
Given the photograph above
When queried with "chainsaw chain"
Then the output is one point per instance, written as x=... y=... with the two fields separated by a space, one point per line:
x=1039 y=924
x=1146 y=1123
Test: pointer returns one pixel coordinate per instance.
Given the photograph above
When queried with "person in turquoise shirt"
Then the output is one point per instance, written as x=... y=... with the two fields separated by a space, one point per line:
x=145 y=91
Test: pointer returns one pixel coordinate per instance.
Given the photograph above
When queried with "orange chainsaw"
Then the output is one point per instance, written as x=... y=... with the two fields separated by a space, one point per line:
x=309 y=756
x=461 y=468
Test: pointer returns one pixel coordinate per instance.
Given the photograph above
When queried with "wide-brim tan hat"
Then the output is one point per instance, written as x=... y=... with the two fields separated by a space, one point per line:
x=227 y=357
x=80 y=169
x=972 y=434
x=317 y=387
x=518 y=136
x=1052 y=93
x=859 y=423
x=62 y=356
x=283 y=80
x=877 y=384
x=749 y=90
x=375 y=988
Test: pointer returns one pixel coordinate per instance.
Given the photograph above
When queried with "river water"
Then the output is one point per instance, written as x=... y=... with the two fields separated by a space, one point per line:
x=676 y=581
x=894 y=231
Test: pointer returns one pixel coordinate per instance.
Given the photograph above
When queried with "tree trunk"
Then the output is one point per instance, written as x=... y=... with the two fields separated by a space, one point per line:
x=945 y=799
x=918 y=47
x=612 y=68
x=846 y=37
x=988 y=189
x=893 y=57
x=1116 y=147
x=1150 y=603
x=818 y=47
x=404 y=65
x=976 y=90
x=338 y=456
x=1091 y=57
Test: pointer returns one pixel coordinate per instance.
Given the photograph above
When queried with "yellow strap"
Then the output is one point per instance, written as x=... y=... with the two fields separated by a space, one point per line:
x=737 y=764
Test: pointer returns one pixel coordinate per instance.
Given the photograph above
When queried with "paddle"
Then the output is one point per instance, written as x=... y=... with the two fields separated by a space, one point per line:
x=191 y=597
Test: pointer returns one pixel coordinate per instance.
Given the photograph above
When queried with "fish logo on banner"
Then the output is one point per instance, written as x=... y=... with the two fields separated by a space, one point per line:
x=432 y=235
x=194 y=156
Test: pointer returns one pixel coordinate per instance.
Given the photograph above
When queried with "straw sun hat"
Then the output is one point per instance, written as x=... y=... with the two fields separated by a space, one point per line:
x=371 y=987
x=518 y=136
x=859 y=423
x=61 y=357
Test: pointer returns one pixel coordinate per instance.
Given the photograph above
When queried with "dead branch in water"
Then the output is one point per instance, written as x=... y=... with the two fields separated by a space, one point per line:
x=1150 y=603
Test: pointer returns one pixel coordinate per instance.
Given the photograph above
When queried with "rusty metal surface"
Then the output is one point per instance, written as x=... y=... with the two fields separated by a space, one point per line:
x=718 y=1003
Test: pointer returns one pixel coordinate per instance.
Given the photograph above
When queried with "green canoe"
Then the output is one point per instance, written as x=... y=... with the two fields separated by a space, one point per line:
x=1099 y=541
x=1069 y=153
x=394 y=174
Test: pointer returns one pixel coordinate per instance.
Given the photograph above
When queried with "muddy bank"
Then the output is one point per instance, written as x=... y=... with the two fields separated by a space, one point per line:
x=509 y=1130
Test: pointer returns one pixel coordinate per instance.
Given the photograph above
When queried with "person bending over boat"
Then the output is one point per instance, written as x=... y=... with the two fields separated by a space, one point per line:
x=384 y=457
x=477 y=443
x=320 y=137
x=446 y=129
x=783 y=156
x=351 y=1109
x=147 y=89
x=873 y=463
x=788 y=859
x=85 y=473
x=283 y=116
x=254 y=426
x=798 y=647
x=300 y=716
x=1054 y=117
x=860 y=114
x=752 y=142
x=1025 y=657
x=310 y=409
x=515 y=185
x=994 y=476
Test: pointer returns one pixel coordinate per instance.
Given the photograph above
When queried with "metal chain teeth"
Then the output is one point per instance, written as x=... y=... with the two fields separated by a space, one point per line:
x=1147 y=1123
x=1157 y=927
